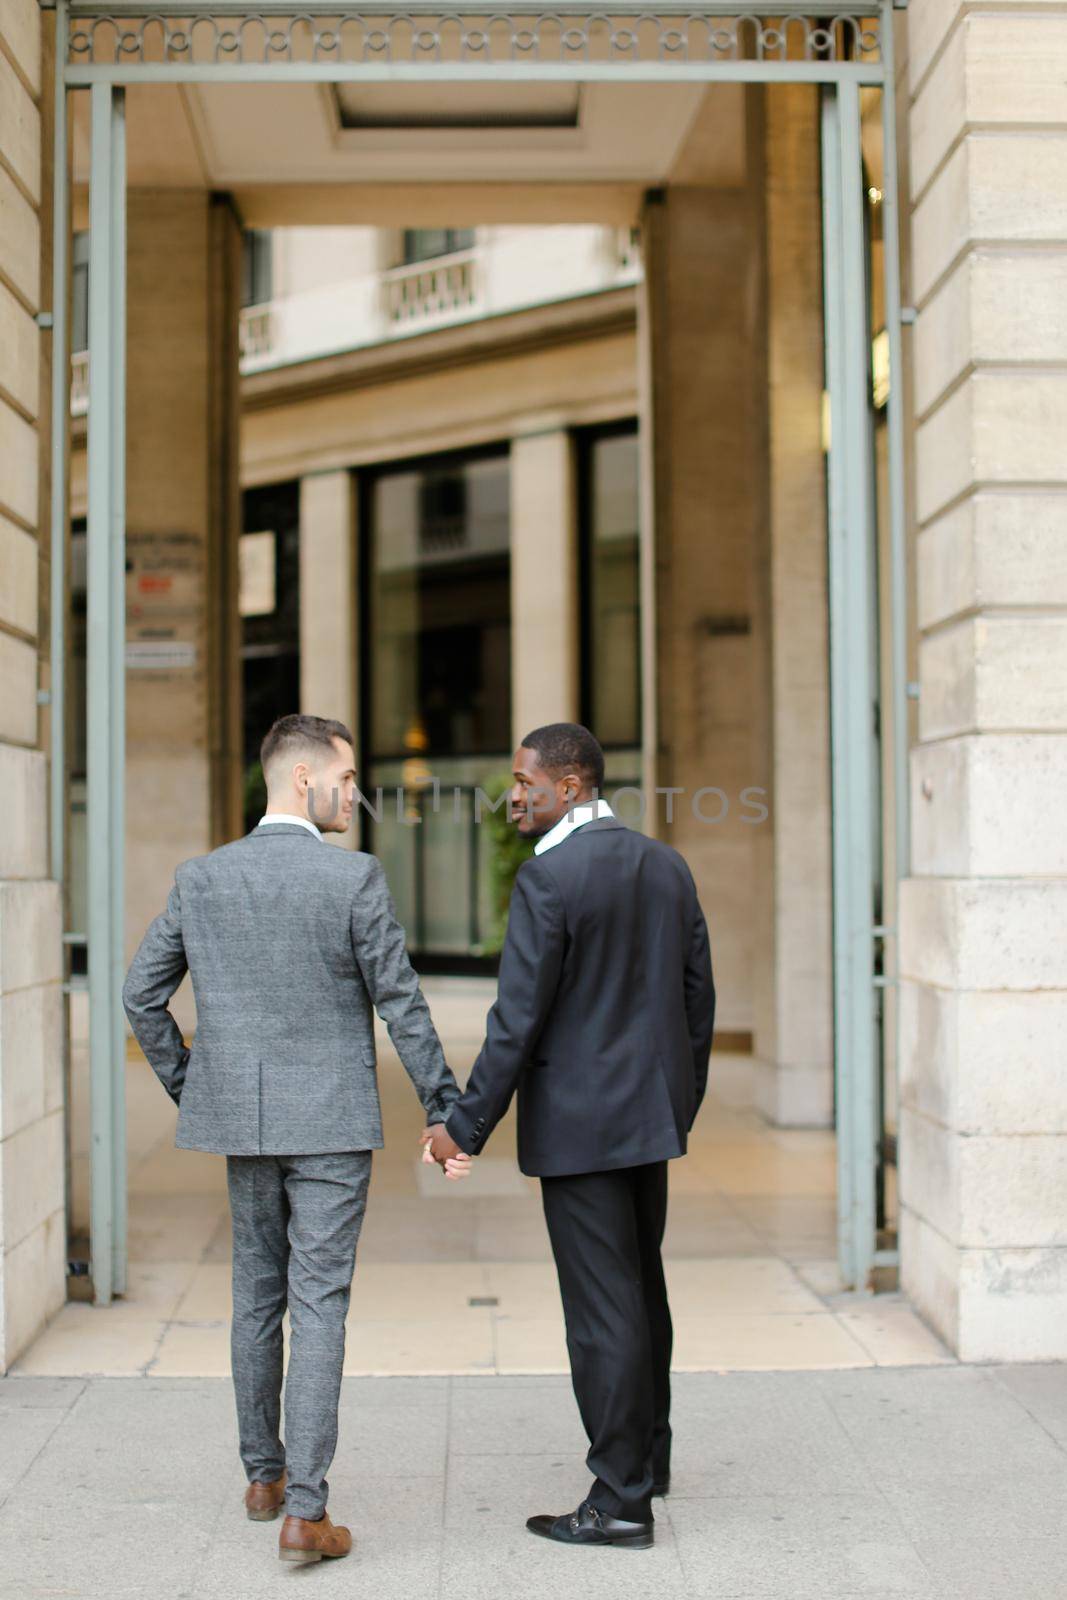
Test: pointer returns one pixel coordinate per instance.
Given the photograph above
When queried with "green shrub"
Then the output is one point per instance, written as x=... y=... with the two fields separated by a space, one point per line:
x=507 y=852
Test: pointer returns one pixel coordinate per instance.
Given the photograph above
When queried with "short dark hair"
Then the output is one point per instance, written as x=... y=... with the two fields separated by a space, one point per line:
x=293 y=734
x=563 y=747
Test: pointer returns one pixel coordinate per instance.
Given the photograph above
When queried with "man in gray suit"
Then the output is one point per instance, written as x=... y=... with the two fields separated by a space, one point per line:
x=288 y=944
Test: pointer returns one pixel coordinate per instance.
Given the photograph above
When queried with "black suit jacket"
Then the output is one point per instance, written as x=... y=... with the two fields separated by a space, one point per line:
x=604 y=1012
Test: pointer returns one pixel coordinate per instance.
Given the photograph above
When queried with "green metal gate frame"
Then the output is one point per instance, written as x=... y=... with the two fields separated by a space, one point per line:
x=711 y=41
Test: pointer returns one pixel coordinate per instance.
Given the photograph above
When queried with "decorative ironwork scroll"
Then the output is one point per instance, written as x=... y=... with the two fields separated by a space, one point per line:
x=538 y=38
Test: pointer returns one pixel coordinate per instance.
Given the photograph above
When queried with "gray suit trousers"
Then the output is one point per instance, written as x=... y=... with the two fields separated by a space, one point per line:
x=296 y=1223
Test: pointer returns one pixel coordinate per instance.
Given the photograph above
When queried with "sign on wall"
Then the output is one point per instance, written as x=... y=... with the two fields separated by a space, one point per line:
x=164 y=602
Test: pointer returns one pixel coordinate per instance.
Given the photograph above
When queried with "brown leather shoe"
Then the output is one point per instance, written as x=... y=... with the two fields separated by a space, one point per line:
x=301 y=1540
x=263 y=1501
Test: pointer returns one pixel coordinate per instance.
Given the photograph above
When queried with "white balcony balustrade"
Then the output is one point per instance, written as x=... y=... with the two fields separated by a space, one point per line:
x=257 y=332
x=427 y=293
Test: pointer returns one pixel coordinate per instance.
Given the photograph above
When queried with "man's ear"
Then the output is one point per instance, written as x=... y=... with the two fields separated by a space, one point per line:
x=301 y=776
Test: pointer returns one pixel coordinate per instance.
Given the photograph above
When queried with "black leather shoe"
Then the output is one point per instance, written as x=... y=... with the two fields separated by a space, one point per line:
x=662 y=1486
x=587 y=1525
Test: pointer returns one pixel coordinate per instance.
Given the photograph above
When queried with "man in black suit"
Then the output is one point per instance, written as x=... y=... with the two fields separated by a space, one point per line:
x=603 y=1024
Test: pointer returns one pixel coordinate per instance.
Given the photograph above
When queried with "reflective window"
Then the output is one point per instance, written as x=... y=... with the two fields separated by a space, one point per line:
x=257 y=267
x=610 y=514
x=436 y=674
x=269 y=607
x=439 y=630
x=426 y=244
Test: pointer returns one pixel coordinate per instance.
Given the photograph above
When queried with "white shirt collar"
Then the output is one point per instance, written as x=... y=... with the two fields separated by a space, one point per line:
x=282 y=816
x=589 y=812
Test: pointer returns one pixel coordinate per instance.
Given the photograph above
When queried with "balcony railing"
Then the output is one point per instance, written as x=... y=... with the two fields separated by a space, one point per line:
x=257 y=332
x=427 y=292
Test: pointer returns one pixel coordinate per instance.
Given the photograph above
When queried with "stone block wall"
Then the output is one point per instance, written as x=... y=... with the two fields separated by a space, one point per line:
x=983 y=1136
x=32 y=1188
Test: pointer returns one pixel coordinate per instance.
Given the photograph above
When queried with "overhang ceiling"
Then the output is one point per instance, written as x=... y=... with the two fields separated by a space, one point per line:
x=319 y=140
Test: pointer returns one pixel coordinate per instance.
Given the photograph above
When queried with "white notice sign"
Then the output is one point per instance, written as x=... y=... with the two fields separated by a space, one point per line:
x=258 y=562
x=160 y=655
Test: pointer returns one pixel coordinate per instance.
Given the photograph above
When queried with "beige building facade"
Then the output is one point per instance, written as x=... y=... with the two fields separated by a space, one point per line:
x=984 y=1090
x=707 y=362
x=33 y=1248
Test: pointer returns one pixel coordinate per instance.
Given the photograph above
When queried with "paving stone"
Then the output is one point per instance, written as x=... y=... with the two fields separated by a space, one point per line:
x=515 y=1417
x=929 y=1426
x=24 y=1433
x=25 y=1394
x=770 y=1545
x=359 y=1394
x=480 y=1493
x=1006 y=1539
x=1042 y=1390
x=394 y=1438
x=87 y=1548
x=758 y=1434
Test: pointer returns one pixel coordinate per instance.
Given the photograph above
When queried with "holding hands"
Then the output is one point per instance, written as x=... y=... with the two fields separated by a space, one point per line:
x=438 y=1147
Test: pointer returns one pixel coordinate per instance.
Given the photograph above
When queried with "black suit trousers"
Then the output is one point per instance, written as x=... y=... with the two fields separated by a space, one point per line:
x=606 y=1230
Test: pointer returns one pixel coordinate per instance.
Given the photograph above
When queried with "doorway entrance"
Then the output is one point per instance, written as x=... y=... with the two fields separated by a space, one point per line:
x=441 y=57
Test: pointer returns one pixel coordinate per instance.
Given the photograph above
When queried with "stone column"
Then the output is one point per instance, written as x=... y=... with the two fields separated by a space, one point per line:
x=704 y=263
x=544 y=581
x=182 y=697
x=793 y=1041
x=329 y=629
x=32 y=1219
x=983 y=1134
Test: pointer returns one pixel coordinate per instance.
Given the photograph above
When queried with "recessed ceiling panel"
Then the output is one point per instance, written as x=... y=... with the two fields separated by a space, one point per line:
x=457 y=105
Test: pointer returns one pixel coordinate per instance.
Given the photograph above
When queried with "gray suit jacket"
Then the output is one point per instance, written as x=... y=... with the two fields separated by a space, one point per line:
x=288 y=942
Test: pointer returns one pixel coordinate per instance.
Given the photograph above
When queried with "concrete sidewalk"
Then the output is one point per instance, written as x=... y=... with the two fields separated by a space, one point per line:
x=920 y=1484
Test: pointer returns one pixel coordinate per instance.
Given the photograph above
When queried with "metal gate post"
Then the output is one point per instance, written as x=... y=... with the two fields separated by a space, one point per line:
x=853 y=644
x=105 y=666
x=117 y=678
x=898 y=579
